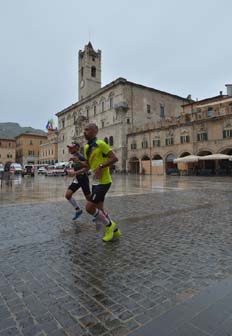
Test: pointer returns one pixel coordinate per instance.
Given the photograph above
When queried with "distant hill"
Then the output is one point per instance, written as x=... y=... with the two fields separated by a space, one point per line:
x=10 y=130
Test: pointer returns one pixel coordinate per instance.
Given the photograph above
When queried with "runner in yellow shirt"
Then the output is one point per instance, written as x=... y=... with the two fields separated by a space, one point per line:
x=99 y=157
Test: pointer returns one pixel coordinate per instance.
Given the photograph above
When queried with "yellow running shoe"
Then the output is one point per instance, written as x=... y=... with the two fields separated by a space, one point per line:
x=109 y=232
x=117 y=233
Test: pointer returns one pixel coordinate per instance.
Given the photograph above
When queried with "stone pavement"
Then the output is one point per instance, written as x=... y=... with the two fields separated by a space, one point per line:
x=170 y=273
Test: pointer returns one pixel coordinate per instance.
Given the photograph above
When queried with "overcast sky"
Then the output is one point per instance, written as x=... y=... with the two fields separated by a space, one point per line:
x=182 y=47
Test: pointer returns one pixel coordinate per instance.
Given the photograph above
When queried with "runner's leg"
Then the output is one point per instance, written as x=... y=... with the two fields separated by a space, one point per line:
x=117 y=231
x=69 y=196
x=95 y=207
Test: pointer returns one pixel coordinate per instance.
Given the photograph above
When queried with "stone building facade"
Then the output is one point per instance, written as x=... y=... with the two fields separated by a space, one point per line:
x=48 y=151
x=203 y=127
x=117 y=107
x=7 y=150
x=28 y=146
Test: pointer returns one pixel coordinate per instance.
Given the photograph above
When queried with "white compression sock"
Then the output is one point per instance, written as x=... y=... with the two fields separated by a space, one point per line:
x=99 y=215
x=74 y=203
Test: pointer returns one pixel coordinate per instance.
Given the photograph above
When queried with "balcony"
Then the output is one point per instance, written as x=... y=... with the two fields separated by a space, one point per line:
x=121 y=106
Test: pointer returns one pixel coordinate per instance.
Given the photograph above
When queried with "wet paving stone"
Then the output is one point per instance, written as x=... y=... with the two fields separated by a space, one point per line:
x=58 y=278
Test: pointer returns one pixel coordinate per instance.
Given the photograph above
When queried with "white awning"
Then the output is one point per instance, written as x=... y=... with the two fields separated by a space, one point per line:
x=215 y=157
x=188 y=158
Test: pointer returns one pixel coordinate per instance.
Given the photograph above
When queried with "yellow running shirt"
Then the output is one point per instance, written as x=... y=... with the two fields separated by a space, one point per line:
x=98 y=155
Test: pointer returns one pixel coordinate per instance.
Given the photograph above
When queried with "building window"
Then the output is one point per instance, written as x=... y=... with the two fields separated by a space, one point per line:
x=31 y=143
x=184 y=138
x=210 y=112
x=40 y=142
x=63 y=123
x=103 y=106
x=128 y=121
x=133 y=145
x=169 y=141
x=148 y=108
x=93 y=71
x=9 y=144
x=82 y=71
x=102 y=123
x=111 y=140
x=144 y=144
x=106 y=140
x=203 y=136
x=156 y=143
x=94 y=110
x=111 y=103
x=227 y=133
x=162 y=114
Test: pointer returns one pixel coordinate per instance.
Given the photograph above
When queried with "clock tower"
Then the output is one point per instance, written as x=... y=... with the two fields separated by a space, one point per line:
x=89 y=71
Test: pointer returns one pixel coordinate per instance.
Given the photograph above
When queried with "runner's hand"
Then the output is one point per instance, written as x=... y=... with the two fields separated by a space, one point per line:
x=97 y=173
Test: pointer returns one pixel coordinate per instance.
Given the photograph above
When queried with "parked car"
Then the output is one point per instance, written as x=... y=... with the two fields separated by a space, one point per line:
x=50 y=170
x=16 y=168
x=42 y=171
x=28 y=170
x=58 y=169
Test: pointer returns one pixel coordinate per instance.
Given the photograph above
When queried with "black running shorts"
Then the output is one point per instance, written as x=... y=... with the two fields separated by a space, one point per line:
x=83 y=183
x=98 y=192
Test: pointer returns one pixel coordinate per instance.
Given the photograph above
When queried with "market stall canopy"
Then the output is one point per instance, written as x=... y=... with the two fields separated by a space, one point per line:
x=215 y=157
x=188 y=158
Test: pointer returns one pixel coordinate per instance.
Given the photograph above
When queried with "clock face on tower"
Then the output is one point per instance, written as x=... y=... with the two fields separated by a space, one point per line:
x=82 y=83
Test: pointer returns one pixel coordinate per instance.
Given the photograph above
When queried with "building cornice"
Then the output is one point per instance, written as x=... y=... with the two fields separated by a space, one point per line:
x=208 y=100
x=31 y=134
x=7 y=139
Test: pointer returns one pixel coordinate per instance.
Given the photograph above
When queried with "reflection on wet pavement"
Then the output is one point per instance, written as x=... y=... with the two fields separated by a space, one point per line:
x=43 y=189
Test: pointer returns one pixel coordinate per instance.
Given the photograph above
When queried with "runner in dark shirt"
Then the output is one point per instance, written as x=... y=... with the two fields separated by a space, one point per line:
x=80 y=180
